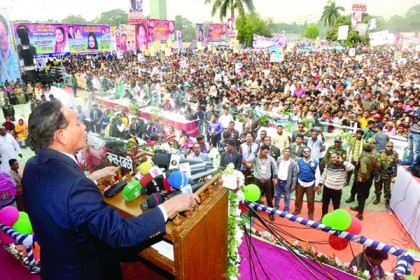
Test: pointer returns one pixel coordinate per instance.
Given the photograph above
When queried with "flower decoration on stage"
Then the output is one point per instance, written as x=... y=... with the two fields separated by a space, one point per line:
x=234 y=181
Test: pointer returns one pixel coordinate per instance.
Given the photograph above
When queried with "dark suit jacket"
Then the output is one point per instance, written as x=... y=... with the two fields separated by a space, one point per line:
x=274 y=152
x=77 y=231
x=236 y=160
x=98 y=115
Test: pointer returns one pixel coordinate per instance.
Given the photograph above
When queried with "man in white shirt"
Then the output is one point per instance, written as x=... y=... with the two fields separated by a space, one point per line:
x=287 y=177
x=225 y=118
x=9 y=148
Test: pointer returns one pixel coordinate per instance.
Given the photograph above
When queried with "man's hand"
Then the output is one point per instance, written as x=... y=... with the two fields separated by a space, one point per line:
x=275 y=181
x=180 y=203
x=104 y=172
x=318 y=189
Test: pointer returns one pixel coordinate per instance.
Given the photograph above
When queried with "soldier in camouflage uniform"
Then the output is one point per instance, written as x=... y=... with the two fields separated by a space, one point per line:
x=388 y=159
x=337 y=148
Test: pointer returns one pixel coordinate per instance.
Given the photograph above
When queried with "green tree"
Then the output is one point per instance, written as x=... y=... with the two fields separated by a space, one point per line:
x=251 y=24
x=113 y=17
x=353 y=38
x=223 y=6
x=312 y=32
x=186 y=27
x=331 y=13
x=72 y=19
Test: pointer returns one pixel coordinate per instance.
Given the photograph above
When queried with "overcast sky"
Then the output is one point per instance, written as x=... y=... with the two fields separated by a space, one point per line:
x=279 y=10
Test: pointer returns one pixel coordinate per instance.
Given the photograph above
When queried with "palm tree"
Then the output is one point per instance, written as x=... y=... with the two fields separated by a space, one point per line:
x=331 y=13
x=223 y=5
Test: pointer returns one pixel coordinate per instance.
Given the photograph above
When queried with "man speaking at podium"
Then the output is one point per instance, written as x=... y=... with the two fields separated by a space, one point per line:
x=77 y=231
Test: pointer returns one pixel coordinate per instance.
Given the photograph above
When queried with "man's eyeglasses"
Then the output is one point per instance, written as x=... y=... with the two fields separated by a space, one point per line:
x=306 y=151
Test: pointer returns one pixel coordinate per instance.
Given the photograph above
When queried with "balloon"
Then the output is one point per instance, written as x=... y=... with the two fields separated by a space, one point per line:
x=327 y=219
x=23 y=215
x=411 y=277
x=23 y=226
x=355 y=227
x=340 y=220
x=252 y=192
x=5 y=238
x=338 y=243
x=9 y=215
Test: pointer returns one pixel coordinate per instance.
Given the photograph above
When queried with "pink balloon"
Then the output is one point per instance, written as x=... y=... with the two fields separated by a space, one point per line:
x=355 y=226
x=9 y=215
x=338 y=243
x=5 y=238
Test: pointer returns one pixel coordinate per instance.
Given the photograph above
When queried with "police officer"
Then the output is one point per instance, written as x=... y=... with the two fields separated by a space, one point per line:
x=388 y=160
x=337 y=148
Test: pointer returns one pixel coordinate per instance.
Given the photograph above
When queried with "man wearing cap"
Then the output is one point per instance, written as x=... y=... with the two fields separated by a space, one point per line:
x=9 y=148
x=364 y=178
x=230 y=156
x=388 y=161
x=67 y=210
x=337 y=148
x=355 y=150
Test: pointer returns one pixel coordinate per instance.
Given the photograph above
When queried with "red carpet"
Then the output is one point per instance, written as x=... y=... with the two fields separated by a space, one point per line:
x=12 y=269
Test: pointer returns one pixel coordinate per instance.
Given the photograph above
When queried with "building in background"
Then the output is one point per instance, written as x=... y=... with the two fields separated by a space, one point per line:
x=158 y=9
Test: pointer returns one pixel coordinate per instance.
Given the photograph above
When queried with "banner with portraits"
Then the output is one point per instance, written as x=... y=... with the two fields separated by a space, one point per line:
x=9 y=62
x=217 y=32
x=231 y=26
x=179 y=39
x=135 y=11
x=125 y=38
x=52 y=38
x=142 y=35
x=261 y=42
x=161 y=30
x=199 y=32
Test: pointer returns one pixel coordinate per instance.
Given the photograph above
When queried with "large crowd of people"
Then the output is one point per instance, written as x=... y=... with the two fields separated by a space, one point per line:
x=236 y=97
x=320 y=90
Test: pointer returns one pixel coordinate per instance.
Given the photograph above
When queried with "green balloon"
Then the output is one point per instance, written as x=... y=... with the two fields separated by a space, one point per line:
x=23 y=226
x=252 y=192
x=23 y=215
x=411 y=277
x=341 y=219
x=327 y=220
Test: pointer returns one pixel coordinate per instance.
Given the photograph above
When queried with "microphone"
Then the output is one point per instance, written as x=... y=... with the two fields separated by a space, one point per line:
x=152 y=201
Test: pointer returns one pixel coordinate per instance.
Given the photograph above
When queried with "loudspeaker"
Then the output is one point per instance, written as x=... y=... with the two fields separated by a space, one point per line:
x=27 y=56
x=23 y=35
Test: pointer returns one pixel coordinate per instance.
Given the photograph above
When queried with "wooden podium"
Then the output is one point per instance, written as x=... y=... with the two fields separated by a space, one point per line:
x=198 y=239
